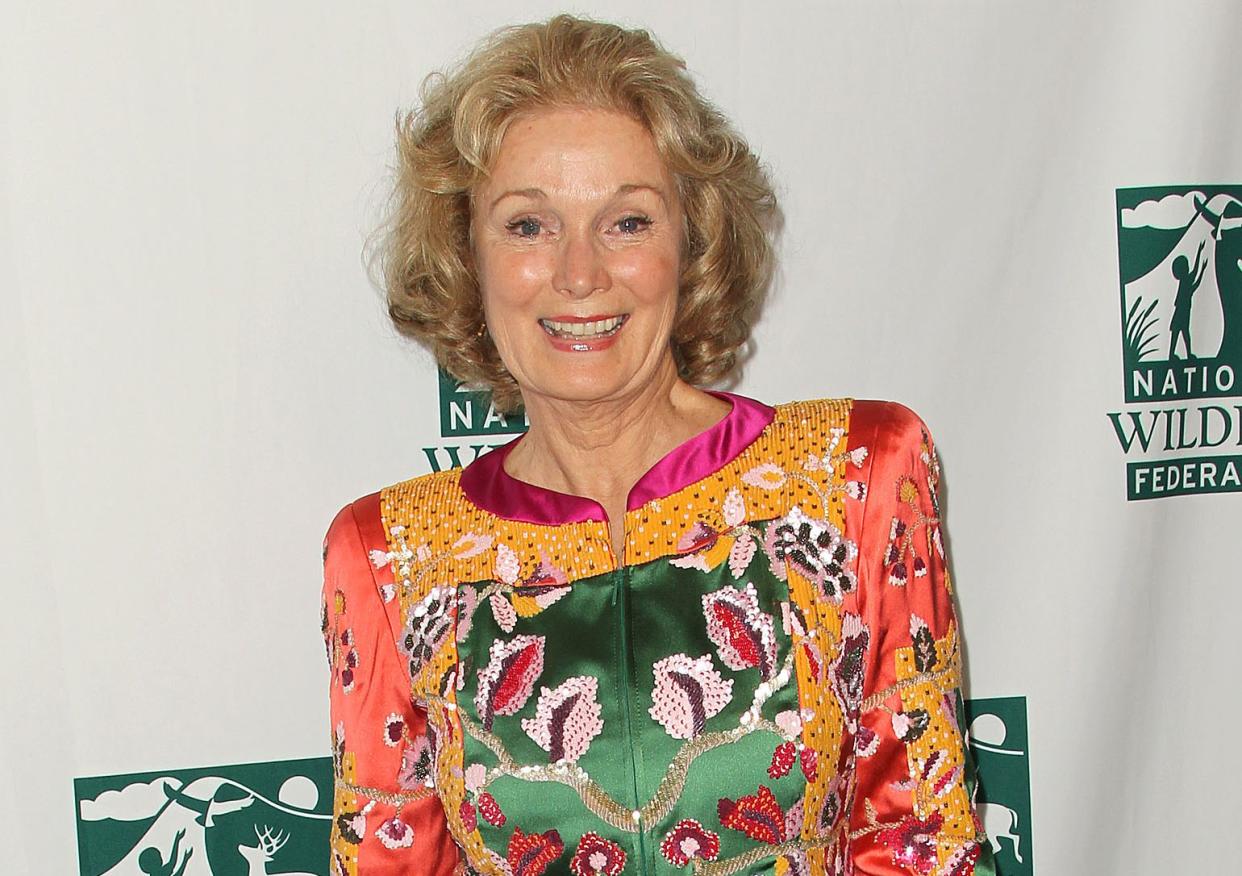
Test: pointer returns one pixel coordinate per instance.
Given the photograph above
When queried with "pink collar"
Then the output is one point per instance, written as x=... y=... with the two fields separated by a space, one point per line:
x=486 y=483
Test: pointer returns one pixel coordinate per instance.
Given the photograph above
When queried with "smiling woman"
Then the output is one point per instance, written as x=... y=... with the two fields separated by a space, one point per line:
x=605 y=647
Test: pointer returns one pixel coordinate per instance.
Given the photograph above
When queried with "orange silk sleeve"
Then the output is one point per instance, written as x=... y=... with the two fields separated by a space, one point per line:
x=912 y=810
x=387 y=818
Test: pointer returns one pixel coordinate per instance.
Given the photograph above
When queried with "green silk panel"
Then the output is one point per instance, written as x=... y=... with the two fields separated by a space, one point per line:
x=614 y=628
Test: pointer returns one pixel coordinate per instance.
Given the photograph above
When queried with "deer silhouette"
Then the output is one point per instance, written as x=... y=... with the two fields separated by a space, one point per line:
x=258 y=857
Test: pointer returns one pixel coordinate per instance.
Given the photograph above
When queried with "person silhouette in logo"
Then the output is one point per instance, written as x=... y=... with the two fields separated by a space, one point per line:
x=152 y=862
x=1188 y=280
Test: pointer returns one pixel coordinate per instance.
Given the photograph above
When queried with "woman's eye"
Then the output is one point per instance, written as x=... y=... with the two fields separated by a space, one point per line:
x=633 y=224
x=525 y=227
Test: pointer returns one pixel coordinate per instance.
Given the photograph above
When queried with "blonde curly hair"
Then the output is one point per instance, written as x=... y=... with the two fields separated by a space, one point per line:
x=446 y=146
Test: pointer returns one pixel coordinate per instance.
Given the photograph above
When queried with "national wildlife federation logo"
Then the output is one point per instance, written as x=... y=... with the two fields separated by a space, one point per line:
x=259 y=819
x=998 y=743
x=470 y=423
x=1180 y=259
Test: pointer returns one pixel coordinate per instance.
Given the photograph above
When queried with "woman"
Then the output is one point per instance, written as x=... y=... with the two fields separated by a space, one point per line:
x=667 y=630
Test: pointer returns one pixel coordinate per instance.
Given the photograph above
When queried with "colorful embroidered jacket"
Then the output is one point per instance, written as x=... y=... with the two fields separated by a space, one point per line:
x=767 y=682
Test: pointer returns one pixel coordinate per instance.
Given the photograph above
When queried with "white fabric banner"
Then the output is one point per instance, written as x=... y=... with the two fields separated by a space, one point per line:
x=984 y=208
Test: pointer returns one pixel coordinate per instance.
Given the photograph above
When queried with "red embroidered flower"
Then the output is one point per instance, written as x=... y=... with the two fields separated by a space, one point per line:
x=469 y=817
x=507 y=681
x=757 y=815
x=782 y=760
x=597 y=856
x=740 y=630
x=490 y=810
x=810 y=763
x=913 y=841
x=688 y=840
x=530 y=854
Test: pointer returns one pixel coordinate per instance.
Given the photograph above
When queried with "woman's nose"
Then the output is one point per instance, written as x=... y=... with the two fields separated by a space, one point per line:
x=580 y=267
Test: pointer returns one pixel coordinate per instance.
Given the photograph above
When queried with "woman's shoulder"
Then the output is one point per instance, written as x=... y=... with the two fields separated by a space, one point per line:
x=881 y=422
x=365 y=518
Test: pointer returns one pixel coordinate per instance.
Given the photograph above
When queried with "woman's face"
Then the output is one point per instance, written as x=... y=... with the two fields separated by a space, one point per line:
x=577 y=244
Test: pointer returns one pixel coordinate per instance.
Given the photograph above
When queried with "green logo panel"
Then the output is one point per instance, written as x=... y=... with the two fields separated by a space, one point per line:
x=1180 y=259
x=269 y=818
x=467 y=412
x=999 y=745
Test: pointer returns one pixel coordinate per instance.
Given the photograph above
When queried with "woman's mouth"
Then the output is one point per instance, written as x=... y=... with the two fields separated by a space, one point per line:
x=583 y=330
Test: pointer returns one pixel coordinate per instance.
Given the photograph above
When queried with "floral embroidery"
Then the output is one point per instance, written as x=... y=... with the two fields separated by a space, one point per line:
x=540 y=589
x=427 y=627
x=848 y=669
x=757 y=815
x=782 y=760
x=831 y=808
x=925 y=657
x=490 y=810
x=507 y=681
x=788 y=505
x=503 y=611
x=530 y=854
x=395 y=834
x=415 y=764
x=394 y=726
x=742 y=633
x=808 y=760
x=900 y=556
x=701 y=548
x=962 y=861
x=913 y=841
x=687 y=841
x=688 y=691
x=469 y=816
x=815 y=549
x=910 y=726
x=597 y=856
x=566 y=719
x=765 y=476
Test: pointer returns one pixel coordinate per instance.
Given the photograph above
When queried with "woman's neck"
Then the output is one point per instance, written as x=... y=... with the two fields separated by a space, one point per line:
x=599 y=450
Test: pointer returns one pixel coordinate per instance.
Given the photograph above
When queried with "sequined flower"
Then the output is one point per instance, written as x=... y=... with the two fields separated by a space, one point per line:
x=813 y=548
x=848 y=668
x=757 y=815
x=491 y=811
x=531 y=854
x=540 y=589
x=765 y=476
x=687 y=841
x=395 y=834
x=688 y=691
x=742 y=633
x=469 y=816
x=913 y=841
x=566 y=719
x=597 y=856
x=507 y=681
x=394 y=724
x=701 y=547
x=427 y=627
x=866 y=741
x=467 y=602
x=415 y=765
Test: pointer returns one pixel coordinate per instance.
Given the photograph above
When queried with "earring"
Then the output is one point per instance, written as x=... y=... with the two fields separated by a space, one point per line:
x=482 y=330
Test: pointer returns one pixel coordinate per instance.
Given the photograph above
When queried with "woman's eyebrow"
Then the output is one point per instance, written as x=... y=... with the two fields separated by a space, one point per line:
x=518 y=193
x=538 y=193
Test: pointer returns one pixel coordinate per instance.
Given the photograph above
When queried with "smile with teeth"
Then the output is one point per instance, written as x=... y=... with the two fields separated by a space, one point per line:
x=583 y=331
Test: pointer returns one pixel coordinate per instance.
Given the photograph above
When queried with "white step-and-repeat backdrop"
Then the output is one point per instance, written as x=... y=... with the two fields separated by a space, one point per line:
x=1023 y=219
